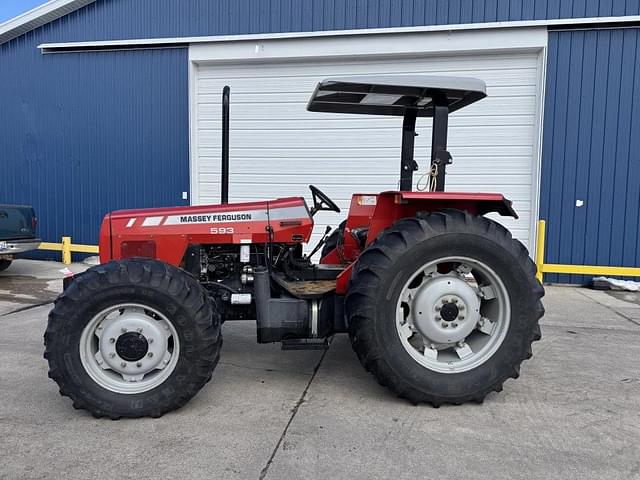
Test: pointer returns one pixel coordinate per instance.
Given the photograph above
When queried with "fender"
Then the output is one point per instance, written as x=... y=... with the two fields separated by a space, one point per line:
x=392 y=206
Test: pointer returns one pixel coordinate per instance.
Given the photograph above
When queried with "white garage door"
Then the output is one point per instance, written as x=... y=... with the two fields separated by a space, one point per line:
x=278 y=148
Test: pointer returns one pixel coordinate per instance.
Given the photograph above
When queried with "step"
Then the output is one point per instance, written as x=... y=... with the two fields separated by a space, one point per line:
x=306 y=344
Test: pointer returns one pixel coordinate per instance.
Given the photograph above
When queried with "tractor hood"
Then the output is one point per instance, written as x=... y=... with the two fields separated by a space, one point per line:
x=212 y=213
x=165 y=233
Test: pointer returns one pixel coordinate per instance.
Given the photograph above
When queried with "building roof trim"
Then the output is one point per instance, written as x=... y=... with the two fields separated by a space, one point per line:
x=185 y=41
x=41 y=15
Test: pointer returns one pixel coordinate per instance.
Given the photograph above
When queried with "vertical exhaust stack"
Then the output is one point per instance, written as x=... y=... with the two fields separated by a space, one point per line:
x=224 y=190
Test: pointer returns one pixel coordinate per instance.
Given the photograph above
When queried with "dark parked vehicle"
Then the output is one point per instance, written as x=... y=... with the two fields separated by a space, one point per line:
x=17 y=232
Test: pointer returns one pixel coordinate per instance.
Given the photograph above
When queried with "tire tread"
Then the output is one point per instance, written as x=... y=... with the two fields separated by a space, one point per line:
x=365 y=287
x=158 y=275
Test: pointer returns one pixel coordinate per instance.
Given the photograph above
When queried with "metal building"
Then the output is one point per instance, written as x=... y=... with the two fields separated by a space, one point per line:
x=112 y=104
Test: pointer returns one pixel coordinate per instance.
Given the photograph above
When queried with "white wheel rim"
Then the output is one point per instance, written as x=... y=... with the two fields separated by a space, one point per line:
x=453 y=322
x=113 y=340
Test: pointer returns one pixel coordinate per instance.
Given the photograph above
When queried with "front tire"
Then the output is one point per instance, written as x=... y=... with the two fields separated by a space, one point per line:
x=444 y=308
x=132 y=338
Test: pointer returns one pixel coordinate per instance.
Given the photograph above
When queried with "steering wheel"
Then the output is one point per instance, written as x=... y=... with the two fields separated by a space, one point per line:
x=321 y=201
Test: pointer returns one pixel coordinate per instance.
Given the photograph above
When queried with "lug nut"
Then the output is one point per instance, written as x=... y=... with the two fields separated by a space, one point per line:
x=112 y=340
x=455 y=300
x=461 y=317
x=438 y=309
x=139 y=330
x=445 y=324
x=461 y=307
x=150 y=354
x=438 y=318
x=112 y=355
x=454 y=325
x=123 y=365
x=150 y=340
x=139 y=364
x=123 y=330
x=100 y=362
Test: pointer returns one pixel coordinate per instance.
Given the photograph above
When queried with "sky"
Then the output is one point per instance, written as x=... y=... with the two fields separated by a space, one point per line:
x=13 y=8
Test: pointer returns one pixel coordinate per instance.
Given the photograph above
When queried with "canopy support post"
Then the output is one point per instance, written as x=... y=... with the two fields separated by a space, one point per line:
x=440 y=157
x=407 y=164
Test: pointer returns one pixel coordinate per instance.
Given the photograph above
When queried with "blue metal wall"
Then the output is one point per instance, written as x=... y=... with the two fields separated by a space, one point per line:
x=85 y=133
x=591 y=149
x=122 y=19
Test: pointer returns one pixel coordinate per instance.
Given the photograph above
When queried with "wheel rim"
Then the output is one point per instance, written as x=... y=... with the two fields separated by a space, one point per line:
x=129 y=348
x=454 y=321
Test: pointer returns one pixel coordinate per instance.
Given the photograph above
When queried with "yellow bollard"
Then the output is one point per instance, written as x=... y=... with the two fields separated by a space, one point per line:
x=66 y=250
x=542 y=232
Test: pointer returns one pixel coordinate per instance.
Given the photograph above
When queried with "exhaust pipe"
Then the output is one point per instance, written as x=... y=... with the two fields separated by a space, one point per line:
x=224 y=190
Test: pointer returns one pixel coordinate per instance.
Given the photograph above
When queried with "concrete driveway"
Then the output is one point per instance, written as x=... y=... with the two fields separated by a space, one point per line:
x=573 y=414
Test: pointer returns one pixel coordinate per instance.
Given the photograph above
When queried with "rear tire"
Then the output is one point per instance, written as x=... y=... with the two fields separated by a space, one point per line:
x=168 y=353
x=4 y=264
x=394 y=280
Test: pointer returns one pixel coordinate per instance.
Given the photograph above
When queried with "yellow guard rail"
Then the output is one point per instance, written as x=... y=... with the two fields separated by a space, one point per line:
x=66 y=247
x=574 y=269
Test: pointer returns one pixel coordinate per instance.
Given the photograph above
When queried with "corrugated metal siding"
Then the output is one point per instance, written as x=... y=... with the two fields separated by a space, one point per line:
x=83 y=134
x=125 y=19
x=591 y=149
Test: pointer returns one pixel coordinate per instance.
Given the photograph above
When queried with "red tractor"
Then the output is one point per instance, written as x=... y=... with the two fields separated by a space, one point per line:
x=441 y=303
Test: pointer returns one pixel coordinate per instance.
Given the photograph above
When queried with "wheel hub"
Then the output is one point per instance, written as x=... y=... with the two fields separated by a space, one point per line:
x=445 y=310
x=449 y=312
x=129 y=348
x=438 y=317
x=132 y=346
x=132 y=343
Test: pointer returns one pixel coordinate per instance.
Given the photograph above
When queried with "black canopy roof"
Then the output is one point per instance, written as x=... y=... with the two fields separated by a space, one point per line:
x=394 y=94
